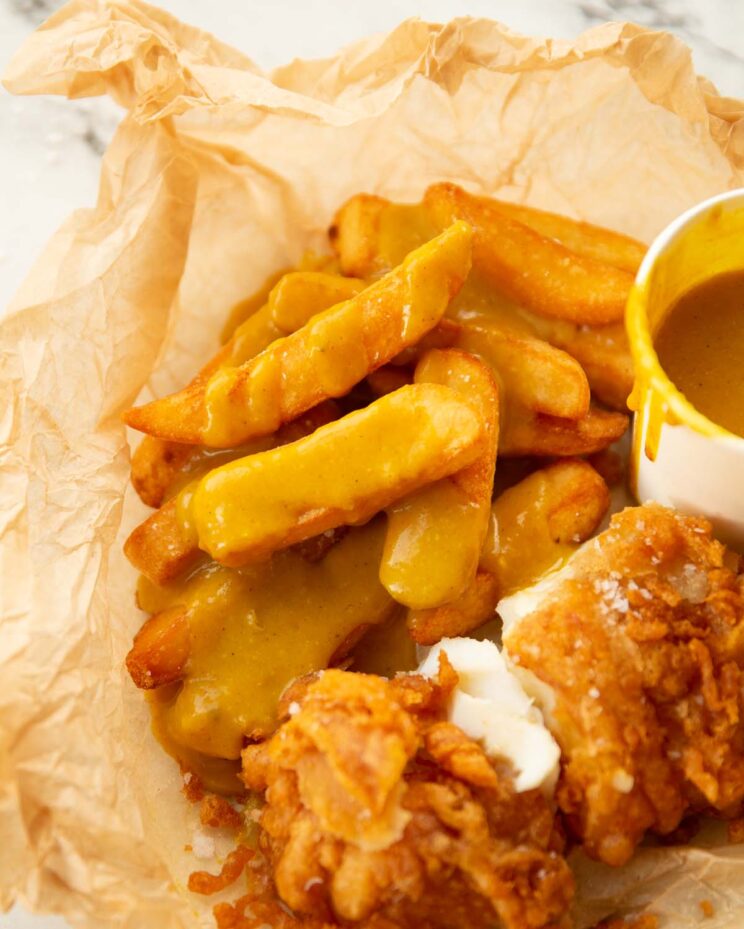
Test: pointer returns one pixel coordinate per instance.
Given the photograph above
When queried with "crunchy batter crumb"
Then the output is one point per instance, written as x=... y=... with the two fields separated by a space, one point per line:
x=381 y=814
x=192 y=789
x=202 y=882
x=642 y=646
x=217 y=812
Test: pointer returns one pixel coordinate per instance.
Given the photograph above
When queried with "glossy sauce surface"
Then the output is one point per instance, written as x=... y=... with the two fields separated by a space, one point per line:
x=520 y=546
x=337 y=347
x=254 y=505
x=700 y=345
x=432 y=546
x=386 y=649
x=254 y=630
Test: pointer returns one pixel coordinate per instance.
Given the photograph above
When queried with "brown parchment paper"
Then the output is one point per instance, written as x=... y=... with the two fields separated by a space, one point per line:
x=219 y=174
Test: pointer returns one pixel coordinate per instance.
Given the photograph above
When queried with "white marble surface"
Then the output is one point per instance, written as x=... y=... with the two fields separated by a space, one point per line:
x=51 y=147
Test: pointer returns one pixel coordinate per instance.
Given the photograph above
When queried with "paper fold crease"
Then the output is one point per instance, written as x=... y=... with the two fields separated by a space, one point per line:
x=218 y=175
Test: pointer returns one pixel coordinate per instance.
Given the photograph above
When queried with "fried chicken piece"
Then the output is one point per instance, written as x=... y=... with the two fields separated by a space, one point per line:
x=382 y=814
x=641 y=641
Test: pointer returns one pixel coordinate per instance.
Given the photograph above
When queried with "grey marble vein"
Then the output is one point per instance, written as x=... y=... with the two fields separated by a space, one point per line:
x=35 y=10
x=660 y=14
x=654 y=13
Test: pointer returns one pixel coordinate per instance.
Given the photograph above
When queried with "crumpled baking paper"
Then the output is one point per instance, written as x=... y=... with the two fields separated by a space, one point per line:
x=218 y=175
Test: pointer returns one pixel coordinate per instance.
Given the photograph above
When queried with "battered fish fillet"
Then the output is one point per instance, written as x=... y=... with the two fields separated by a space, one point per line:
x=381 y=814
x=640 y=641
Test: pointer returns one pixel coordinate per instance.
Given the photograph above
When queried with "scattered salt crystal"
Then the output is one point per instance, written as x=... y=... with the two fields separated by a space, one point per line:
x=691 y=583
x=294 y=708
x=593 y=692
x=187 y=777
x=622 y=781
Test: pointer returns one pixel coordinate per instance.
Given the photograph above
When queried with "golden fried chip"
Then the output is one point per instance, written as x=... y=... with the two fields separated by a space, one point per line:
x=161 y=649
x=254 y=630
x=534 y=525
x=299 y=295
x=435 y=536
x=526 y=433
x=155 y=465
x=602 y=351
x=537 y=272
x=475 y=606
x=310 y=261
x=586 y=239
x=294 y=298
x=325 y=358
x=540 y=521
x=161 y=468
x=371 y=235
x=247 y=307
x=161 y=548
x=533 y=373
x=343 y=473
x=388 y=230
x=248 y=508
x=443 y=335
x=354 y=234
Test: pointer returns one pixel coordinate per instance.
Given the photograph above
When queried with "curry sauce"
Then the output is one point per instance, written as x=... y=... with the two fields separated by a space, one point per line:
x=700 y=345
x=255 y=629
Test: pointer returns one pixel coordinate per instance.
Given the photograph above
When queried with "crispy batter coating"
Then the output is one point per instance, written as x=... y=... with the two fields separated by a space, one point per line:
x=380 y=813
x=642 y=643
x=202 y=882
x=217 y=812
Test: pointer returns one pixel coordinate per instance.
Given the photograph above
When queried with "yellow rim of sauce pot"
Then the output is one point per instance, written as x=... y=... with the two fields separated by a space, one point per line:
x=702 y=243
